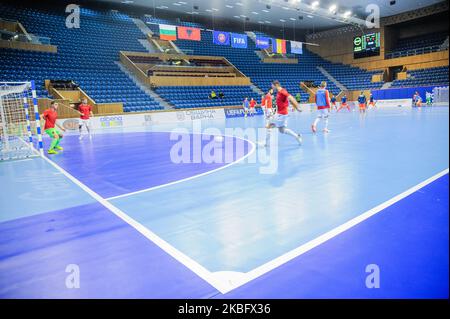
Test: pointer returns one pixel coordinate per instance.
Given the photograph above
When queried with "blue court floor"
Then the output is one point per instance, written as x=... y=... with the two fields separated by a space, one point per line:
x=142 y=218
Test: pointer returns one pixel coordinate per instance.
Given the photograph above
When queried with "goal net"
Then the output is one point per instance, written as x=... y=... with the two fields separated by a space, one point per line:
x=440 y=95
x=20 y=132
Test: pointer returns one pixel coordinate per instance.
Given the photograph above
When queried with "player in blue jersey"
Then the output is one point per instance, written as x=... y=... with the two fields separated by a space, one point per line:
x=344 y=103
x=362 y=101
x=323 y=107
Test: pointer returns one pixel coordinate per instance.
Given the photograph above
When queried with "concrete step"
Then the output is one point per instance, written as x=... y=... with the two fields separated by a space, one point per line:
x=144 y=88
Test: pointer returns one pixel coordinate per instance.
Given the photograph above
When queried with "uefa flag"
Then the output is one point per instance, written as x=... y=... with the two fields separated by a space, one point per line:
x=221 y=38
x=296 y=47
x=279 y=46
x=167 y=32
x=187 y=33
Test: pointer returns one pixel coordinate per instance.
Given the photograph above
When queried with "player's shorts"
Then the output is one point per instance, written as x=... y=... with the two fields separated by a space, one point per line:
x=280 y=120
x=51 y=132
x=344 y=104
x=245 y=108
x=371 y=103
x=322 y=113
x=84 y=122
x=362 y=105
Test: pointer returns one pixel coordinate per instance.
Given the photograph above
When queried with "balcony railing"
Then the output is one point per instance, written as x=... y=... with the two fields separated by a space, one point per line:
x=400 y=54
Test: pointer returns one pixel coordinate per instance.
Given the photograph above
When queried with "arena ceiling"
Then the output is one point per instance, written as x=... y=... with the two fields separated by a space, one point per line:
x=301 y=14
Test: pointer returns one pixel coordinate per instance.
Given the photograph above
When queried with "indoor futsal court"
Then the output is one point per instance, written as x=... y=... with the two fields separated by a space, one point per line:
x=271 y=149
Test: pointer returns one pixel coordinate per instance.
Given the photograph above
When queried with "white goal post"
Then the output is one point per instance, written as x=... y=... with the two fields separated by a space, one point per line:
x=20 y=129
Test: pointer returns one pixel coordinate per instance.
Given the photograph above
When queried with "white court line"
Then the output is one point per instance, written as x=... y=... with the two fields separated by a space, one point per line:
x=192 y=177
x=216 y=281
x=259 y=271
x=225 y=281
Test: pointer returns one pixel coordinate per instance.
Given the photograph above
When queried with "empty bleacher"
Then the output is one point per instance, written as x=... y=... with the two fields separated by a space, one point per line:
x=417 y=45
x=85 y=55
x=183 y=97
x=424 y=77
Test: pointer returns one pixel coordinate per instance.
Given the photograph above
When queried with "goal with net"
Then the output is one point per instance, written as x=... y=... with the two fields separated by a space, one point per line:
x=20 y=130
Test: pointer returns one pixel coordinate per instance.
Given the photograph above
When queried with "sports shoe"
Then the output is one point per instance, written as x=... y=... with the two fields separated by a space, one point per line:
x=59 y=148
x=325 y=130
x=52 y=152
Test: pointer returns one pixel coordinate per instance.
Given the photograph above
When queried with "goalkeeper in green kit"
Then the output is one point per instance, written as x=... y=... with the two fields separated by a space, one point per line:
x=49 y=116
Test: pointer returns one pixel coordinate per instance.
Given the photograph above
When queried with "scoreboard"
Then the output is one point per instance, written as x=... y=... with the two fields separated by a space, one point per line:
x=366 y=45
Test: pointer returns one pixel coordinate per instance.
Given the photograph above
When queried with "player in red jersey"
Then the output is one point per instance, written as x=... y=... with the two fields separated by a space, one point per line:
x=281 y=118
x=49 y=116
x=269 y=111
x=85 y=111
x=252 y=106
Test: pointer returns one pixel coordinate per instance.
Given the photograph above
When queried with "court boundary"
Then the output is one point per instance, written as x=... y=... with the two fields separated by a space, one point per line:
x=226 y=281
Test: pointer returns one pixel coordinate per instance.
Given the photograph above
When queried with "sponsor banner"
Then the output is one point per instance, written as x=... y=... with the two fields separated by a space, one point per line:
x=238 y=112
x=394 y=103
x=262 y=43
x=239 y=41
x=69 y=124
x=145 y=119
x=221 y=38
x=187 y=33
x=296 y=47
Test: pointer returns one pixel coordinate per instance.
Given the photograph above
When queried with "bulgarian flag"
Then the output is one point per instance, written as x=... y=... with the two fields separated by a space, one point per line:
x=167 y=32
x=279 y=46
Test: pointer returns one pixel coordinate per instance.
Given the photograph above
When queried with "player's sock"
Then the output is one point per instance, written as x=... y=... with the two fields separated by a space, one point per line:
x=53 y=144
x=326 y=125
x=316 y=121
x=290 y=132
x=268 y=132
x=314 y=125
x=57 y=142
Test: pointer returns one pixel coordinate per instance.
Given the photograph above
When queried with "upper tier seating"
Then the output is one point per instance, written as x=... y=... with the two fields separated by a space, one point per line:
x=417 y=45
x=87 y=56
x=425 y=77
x=290 y=75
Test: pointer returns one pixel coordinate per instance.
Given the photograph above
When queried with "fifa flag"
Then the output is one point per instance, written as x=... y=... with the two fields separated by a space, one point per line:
x=279 y=46
x=296 y=47
x=262 y=43
x=221 y=38
x=186 y=33
x=167 y=32
x=239 y=41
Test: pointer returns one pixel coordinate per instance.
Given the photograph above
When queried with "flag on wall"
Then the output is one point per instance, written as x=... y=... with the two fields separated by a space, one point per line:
x=239 y=41
x=167 y=32
x=262 y=43
x=296 y=47
x=279 y=46
x=221 y=38
x=187 y=33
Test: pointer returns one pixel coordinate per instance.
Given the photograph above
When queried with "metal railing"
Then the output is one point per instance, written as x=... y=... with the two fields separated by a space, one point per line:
x=22 y=37
x=400 y=54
